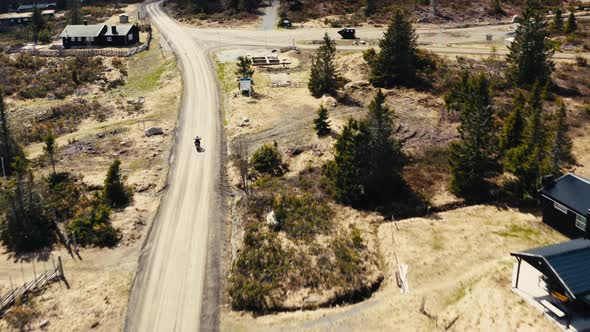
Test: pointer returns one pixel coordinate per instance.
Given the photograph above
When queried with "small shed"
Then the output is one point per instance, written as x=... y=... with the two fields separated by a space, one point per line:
x=123 y=18
x=348 y=33
x=565 y=203
x=556 y=279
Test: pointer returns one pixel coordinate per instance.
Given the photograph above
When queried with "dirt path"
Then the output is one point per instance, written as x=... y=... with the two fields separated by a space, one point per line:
x=271 y=15
x=168 y=287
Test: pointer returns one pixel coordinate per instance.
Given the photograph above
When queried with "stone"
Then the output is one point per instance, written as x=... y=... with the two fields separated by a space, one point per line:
x=43 y=323
x=154 y=131
x=271 y=220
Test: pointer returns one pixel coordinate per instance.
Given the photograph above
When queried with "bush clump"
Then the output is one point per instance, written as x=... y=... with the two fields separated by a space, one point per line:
x=268 y=160
x=302 y=216
x=257 y=272
x=92 y=225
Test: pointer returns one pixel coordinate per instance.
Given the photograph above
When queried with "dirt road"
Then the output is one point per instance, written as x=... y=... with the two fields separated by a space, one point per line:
x=168 y=287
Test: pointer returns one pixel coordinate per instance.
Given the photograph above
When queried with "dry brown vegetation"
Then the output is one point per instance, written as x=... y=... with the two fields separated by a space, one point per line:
x=94 y=126
x=336 y=14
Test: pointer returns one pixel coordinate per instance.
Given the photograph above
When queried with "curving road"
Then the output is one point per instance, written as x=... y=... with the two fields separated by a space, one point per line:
x=169 y=284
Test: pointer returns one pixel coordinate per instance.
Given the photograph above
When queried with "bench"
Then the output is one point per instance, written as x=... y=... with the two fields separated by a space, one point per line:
x=555 y=310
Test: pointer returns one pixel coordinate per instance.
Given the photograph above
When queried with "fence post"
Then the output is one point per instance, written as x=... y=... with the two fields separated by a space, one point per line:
x=34 y=271
x=60 y=267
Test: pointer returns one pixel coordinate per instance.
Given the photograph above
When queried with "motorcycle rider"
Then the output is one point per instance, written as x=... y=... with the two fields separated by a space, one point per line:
x=198 y=142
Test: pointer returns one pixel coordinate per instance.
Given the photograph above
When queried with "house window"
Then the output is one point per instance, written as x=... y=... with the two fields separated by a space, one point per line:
x=581 y=222
x=78 y=38
x=90 y=39
x=109 y=39
x=560 y=207
x=130 y=37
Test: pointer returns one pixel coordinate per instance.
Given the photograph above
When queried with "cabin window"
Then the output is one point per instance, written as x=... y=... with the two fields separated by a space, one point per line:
x=560 y=207
x=90 y=39
x=109 y=39
x=78 y=38
x=130 y=37
x=581 y=222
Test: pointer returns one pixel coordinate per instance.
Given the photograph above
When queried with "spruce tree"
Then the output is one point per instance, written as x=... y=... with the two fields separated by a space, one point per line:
x=114 y=190
x=37 y=23
x=396 y=62
x=560 y=145
x=244 y=68
x=471 y=159
x=346 y=174
x=530 y=53
x=324 y=78
x=512 y=131
x=571 y=26
x=370 y=8
x=24 y=225
x=50 y=148
x=497 y=7
x=322 y=122
x=557 y=23
x=385 y=151
x=528 y=161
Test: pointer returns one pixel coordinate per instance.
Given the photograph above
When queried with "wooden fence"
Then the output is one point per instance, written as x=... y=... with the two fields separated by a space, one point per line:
x=55 y=274
x=85 y=52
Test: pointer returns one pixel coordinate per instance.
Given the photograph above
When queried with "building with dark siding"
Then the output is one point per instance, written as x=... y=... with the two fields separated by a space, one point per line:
x=100 y=35
x=565 y=202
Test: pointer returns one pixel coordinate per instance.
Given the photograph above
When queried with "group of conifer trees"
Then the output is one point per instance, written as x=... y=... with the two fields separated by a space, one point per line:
x=529 y=142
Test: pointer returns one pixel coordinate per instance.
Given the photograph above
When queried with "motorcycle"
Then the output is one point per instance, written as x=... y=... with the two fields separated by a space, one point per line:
x=198 y=144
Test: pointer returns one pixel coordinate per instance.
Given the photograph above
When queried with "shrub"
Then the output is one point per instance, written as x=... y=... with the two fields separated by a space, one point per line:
x=45 y=36
x=258 y=270
x=348 y=263
x=268 y=160
x=21 y=315
x=302 y=216
x=92 y=225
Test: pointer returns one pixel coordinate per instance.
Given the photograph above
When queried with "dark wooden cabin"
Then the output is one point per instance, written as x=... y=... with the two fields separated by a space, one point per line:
x=565 y=203
x=100 y=35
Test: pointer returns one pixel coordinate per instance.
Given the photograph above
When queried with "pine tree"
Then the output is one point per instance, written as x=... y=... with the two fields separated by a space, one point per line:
x=75 y=16
x=471 y=158
x=512 y=131
x=324 y=78
x=37 y=23
x=322 y=122
x=571 y=26
x=557 y=24
x=528 y=161
x=244 y=68
x=50 y=148
x=114 y=190
x=370 y=8
x=560 y=145
x=397 y=60
x=346 y=174
x=530 y=53
x=385 y=151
